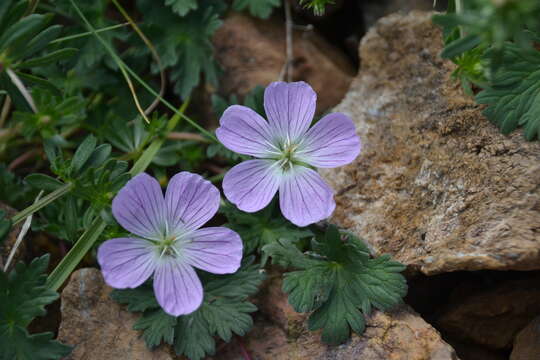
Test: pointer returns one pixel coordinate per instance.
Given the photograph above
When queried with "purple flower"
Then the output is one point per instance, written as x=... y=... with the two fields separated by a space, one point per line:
x=287 y=151
x=167 y=241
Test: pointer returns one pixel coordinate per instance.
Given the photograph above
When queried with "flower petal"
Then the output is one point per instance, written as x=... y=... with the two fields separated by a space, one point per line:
x=290 y=108
x=177 y=287
x=304 y=197
x=190 y=202
x=214 y=249
x=331 y=142
x=252 y=184
x=126 y=262
x=139 y=207
x=244 y=131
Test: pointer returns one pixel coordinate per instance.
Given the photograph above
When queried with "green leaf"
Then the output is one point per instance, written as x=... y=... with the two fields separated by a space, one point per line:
x=43 y=182
x=157 y=327
x=17 y=344
x=193 y=337
x=42 y=40
x=48 y=58
x=227 y=316
x=83 y=153
x=23 y=30
x=5 y=225
x=138 y=299
x=182 y=7
x=258 y=8
x=458 y=47
x=338 y=282
x=513 y=97
x=23 y=296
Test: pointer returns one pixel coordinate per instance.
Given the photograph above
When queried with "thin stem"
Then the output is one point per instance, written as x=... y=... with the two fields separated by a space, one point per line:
x=84 y=34
x=56 y=194
x=23 y=158
x=286 y=71
x=187 y=136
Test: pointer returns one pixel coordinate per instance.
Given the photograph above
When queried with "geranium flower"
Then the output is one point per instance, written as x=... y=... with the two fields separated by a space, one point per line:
x=287 y=151
x=167 y=242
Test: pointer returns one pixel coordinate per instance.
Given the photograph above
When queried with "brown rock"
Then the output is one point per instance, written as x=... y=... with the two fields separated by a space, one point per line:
x=527 y=344
x=10 y=240
x=493 y=317
x=96 y=326
x=373 y=10
x=399 y=335
x=252 y=52
x=436 y=185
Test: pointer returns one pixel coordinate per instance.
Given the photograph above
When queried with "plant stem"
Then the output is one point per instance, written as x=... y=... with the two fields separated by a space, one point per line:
x=84 y=34
x=56 y=194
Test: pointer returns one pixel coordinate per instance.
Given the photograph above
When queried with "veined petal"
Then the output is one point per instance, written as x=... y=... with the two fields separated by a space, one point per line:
x=304 y=197
x=252 y=184
x=244 y=131
x=331 y=142
x=177 y=287
x=139 y=207
x=214 y=249
x=126 y=262
x=290 y=108
x=190 y=202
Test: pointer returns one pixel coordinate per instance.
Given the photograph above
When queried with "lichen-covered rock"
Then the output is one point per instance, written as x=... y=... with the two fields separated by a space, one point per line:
x=96 y=326
x=252 y=52
x=527 y=344
x=11 y=238
x=437 y=186
x=282 y=335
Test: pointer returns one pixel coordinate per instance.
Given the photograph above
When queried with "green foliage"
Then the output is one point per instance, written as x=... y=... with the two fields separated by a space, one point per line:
x=338 y=282
x=225 y=310
x=514 y=92
x=182 y=7
x=485 y=39
x=5 y=225
x=263 y=227
x=23 y=296
x=260 y=8
x=317 y=6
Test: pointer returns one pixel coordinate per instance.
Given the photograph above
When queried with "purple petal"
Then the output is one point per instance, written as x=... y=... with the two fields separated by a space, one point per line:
x=305 y=198
x=331 y=142
x=190 y=202
x=251 y=184
x=139 y=207
x=290 y=108
x=177 y=288
x=126 y=262
x=215 y=249
x=244 y=131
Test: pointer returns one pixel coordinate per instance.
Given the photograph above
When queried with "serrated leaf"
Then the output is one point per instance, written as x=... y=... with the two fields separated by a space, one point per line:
x=193 y=337
x=339 y=283
x=157 y=327
x=226 y=316
x=514 y=94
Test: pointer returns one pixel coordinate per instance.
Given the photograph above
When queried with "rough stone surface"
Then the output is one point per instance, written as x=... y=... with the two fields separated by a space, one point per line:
x=527 y=344
x=11 y=238
x=282 y=335
x=493 y=317
x=436 y=185
x=96 y=326
x=252 y=52
x=372 y=10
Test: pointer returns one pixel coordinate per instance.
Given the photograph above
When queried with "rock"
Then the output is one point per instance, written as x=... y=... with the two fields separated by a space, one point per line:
x=96 y=326
x=10 y=240
x=436 y=185
x=491 y=317
x=527 y=344
x=252 y=52
x=398 y=335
